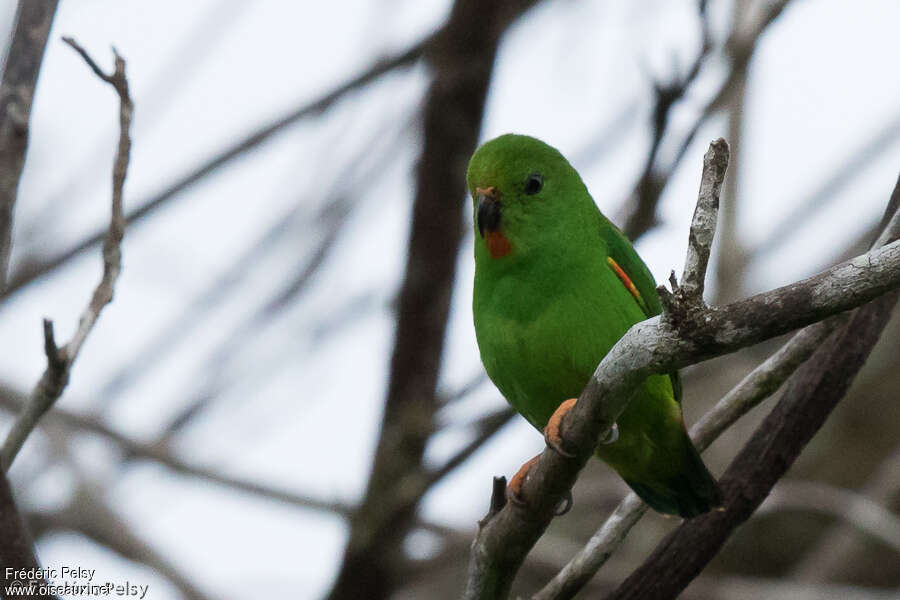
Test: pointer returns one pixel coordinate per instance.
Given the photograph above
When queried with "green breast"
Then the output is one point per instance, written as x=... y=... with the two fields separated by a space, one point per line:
x=541 y=338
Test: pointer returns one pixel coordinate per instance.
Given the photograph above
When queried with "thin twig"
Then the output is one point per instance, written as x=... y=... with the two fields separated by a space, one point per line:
x=648 y=190
x=163 y=455
x=216 y=162
x=60 y=360
x=741 y=47
x=703 y=224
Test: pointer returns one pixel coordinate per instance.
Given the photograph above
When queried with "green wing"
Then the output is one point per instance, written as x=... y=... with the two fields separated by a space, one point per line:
x=623 y=254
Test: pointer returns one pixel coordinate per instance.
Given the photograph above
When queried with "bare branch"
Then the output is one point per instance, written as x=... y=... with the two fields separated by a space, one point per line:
x=647 y=191
x=487 y=427
x=60 y=360
x=213 y=164
x=852 y=507
x=828 y=557
x=660 y=346
x=17 y=549
x=163 y=455
x=740 y=46
x=20 y=72
x=89 y=514
x=21 y=66
x=731 y=587
x=753 y=389
x=811 y=394
x=832 y=188
x=703 y=225
x=462 y=57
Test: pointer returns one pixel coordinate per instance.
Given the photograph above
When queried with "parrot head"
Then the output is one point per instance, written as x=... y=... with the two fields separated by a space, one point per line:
x=526 y=198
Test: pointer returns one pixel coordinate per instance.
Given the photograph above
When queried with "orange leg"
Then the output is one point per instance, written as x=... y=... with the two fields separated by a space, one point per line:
x=551 y=431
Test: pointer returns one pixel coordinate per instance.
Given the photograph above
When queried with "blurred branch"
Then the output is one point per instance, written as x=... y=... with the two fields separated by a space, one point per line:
x=163 y=455
x=88 y=513
x=211 y=165
x=647 y=191
x=463 y=391
x=462 y=58
x=17 y=549
x=851 y=507
x=682 y=335
x=754 y=588
x=336 y=207
x=740 y=46
x=731 y=263
x=485 y=429
x=183 y=58
x=810 y=395
x=837 y=543
x=829 y=189
x=60 y=360
x=20 y=72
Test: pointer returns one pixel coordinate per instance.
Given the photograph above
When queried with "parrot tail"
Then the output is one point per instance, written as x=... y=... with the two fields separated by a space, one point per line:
x=691 y=492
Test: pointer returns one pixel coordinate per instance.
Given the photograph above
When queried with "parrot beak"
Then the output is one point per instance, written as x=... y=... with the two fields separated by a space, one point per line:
x=489 y=209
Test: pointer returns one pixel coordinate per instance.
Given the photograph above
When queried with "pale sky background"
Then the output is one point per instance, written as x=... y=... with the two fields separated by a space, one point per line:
x=823 y=83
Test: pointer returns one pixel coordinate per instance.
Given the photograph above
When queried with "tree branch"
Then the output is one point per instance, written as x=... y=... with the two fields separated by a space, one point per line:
x=827 y=559
x=22 y=65
x=703 y=224
x=811 y=394
x=60 y=360
x=163 y=455
x=746 y=395
x=851 y=507
x=647 y=191
x=740 y=46
x=90 y=515
x=213 y=164
x=660 y=346
x=17 y=549
x=462 y=57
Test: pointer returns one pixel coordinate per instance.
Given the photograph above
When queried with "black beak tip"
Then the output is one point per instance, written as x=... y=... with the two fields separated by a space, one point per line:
x=489 y=213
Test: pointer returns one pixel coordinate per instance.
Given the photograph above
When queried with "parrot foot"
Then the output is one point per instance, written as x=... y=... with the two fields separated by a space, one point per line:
x=611 y=436
x=514 y=490
x=565 y=505
x=551 y=431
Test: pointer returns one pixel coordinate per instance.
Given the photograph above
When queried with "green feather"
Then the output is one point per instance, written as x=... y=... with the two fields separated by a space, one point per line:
x=548 y=311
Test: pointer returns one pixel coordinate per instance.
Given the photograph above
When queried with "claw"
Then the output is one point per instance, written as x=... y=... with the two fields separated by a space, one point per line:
x=551 y=431
x=514 y=489
x=610 y=436
x=565 y=505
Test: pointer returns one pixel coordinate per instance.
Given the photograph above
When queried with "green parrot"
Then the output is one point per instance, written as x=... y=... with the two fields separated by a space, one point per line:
x=556 y=286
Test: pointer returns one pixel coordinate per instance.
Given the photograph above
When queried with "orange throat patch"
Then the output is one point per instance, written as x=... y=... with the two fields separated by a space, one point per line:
x=497 y=244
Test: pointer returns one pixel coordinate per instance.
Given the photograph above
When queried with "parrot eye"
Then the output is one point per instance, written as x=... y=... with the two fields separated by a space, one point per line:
x=533 y=184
